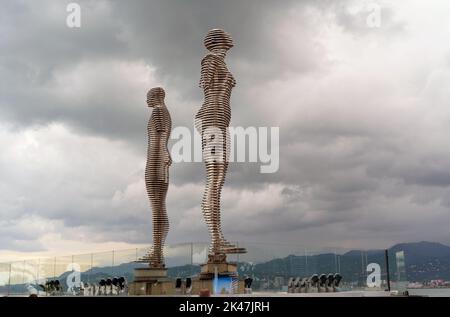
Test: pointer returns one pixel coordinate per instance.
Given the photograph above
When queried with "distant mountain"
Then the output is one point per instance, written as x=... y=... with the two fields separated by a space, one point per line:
x=423 y=249
x=424 y=261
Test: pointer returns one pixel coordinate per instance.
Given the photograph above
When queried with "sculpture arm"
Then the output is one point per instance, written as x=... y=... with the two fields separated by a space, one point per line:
x=158 y=114
x=162 y=156
x=163 y=130
x=209 y=66
x=160 y=142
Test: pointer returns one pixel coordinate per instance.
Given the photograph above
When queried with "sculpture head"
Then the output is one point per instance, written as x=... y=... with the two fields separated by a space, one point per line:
x=155 y=96
x=218 y=39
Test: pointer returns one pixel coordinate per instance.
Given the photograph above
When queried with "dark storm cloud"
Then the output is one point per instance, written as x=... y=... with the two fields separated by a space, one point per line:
x=170 y=33
x=165 y=34
x=36 y=45
x=363 y=119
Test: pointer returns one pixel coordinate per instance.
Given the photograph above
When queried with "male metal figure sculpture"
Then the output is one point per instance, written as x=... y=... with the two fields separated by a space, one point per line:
x=157 y=172
x=212 y=122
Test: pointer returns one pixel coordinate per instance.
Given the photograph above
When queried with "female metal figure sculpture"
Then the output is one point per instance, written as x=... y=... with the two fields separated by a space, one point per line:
x=212 y=122
x=157 y=172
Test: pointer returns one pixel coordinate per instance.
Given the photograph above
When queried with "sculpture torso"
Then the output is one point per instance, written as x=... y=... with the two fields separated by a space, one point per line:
x=158 y=158
x=217 y=83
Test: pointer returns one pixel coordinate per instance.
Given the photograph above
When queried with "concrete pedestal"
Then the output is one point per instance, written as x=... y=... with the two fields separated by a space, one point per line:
x=222 y=269
x=149 y=274
x=199 y=284
x=151 y=281
x=208 y=270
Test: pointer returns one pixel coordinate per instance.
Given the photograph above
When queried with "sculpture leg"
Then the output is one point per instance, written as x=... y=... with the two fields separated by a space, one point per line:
x=164 y=224
x=210 y=207
x=160 y=224
x=216 y=173
x=215 y=179
x=226 y=247
x=221 y=169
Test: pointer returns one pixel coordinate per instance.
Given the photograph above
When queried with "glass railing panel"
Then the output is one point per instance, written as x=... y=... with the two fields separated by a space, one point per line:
x=17 y=278
x=4 y=278
x=103 y=265
x=179 y=260
x=271 y=266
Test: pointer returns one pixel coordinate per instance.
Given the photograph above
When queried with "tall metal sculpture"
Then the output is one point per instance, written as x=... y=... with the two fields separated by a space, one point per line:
x=157 y=173
x=212 y=122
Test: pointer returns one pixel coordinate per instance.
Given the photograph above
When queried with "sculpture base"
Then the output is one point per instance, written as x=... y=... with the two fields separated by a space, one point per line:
x=151 y=281
x=224 y=268
x=227 y=279
x=149 y=274
x=203 y=283
x=154 y=281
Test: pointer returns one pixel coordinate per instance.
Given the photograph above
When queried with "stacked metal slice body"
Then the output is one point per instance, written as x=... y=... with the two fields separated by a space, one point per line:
x=212 y=122
x=157 y=173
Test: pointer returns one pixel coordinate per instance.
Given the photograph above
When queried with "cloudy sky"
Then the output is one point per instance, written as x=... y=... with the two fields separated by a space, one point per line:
x=363 y=112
